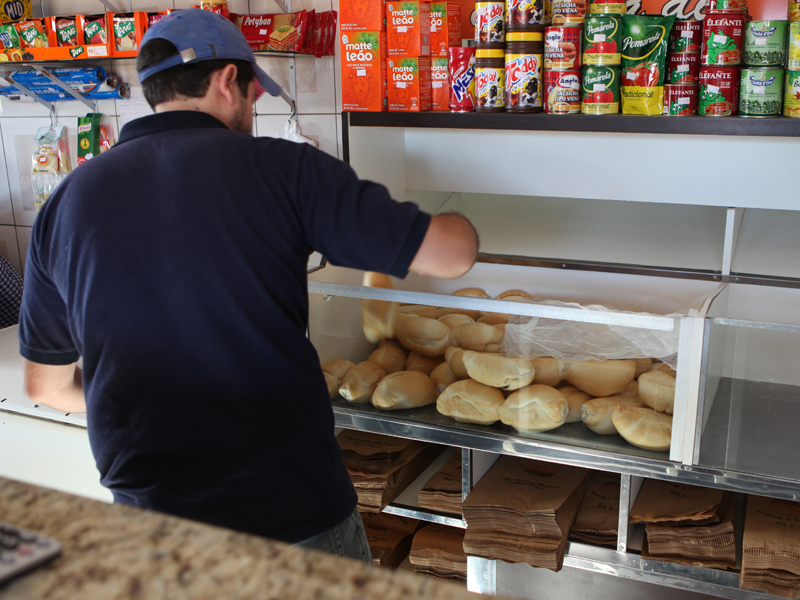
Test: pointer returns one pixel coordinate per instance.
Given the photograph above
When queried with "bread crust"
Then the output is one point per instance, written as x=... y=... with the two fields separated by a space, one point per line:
x=535 y=408
x=424 y=336
x=360 y=382
x=644 y=427
x=389 y=358
x=468 y=401
x=499 y=371
x=404 y=389
x=601 y=378
x=657 y=390
x=479 y=337
x=596 y=413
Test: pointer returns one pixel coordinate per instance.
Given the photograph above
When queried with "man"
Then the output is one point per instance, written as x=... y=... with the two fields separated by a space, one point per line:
x=175 y=265
x=10 y=294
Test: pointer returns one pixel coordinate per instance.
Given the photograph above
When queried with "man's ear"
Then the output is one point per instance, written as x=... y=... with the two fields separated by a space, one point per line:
x=224 y=82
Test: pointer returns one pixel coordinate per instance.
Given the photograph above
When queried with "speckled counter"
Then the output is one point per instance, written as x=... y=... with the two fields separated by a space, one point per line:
x=118 y=552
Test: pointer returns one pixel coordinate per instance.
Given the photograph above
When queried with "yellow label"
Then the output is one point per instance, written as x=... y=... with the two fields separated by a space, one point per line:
x=638 y=100
x=608 y=8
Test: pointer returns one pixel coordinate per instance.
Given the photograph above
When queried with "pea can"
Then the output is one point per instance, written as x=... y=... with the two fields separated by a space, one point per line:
x=765 y=43
x=602 y=40
x=600 y=90
x=793 y=52
x=761 y=92
x=723 y=38
x=686 y=35
x=791 y=95
x=680 y=100
x=562 y=92
x=718 y=94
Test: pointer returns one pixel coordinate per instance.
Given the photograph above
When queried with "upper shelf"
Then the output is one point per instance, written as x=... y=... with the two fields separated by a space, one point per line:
x=694 y=125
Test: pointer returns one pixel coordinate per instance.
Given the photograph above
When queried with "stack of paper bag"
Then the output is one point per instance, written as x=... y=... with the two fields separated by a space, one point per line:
x=771 y=547
x=438 y=551
x=687 y=524
x=598 y=516
x=381 y=466
x=442 y=492
x=389 y=538
x=522 y=510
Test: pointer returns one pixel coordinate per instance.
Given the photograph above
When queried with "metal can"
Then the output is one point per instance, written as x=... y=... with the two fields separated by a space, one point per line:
x=680 y=100
x=686 y=36
x=600 y=90
x=791 y=95
x=683 y=67
x=737 y=5
x=489 y=23
x=761 y=92
x=562 y=92
x=793 y=54
x=765 y=43
x=602 y=40
x=723 y=38
x=562 y=48
x=794 y=11
x=718 y=94
x=462 y=78
x=524 y=13
x=566 y=12
x=607 y=7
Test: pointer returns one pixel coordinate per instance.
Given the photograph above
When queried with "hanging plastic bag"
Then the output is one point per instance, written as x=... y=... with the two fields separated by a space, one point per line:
x=51 y=163
x=291 y=132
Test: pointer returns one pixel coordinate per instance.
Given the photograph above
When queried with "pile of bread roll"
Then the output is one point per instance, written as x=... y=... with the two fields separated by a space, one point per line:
x=451 y=357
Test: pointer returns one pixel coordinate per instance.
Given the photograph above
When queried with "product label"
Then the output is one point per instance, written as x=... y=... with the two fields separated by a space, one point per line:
x=489 y=87
x=523 y=81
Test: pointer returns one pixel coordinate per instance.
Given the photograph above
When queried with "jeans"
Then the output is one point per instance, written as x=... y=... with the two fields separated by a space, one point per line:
x=347 y=539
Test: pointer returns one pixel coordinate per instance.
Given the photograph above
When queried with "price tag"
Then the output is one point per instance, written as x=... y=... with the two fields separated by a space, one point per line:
x=686 y=33
x=761 y=41
x=401 y=85
x=631 y=75
x=720 y=39
x=599 y=37
x=402 y=29
x=263 y=32
x=684 y=100
x=436 y=84
x=713 y=89
x=759 y=89
x=361 y=72
x=599 y=87
x=682 y=68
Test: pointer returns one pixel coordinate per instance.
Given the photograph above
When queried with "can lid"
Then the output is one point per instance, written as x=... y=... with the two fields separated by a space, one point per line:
x=489 y=53
x=524 y=36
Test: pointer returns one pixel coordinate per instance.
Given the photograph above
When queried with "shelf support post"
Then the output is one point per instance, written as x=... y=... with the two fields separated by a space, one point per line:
x=733 y=225
x=629 y=489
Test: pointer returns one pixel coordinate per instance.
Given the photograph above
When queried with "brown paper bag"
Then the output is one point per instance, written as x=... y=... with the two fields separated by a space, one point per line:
x=675 y=503
x=442 y=491
x=598 y=516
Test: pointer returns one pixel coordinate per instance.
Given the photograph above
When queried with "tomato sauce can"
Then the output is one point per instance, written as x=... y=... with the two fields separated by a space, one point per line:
x=761 y=92
x=602 y=40
x=490 y=24
x=680 y=100
x=686 y=36
x=562 y=92
x=732 y=5
x=600 y=90
x=793 y=53
x=718 y=94
x=683 y=67
x=461 y=65
x=765 y=43
x=562 y=48
x=791 y=94
x=723 y=38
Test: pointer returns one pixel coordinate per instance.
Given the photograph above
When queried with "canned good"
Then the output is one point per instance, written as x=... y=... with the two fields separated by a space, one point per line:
x=791 y=95
x=683 y=68
x=794 y=10
x=718 y=94
x=566 y=12
x=737 y=5
x=461 y=63
x=562 y=92
x=523 y=83
x=490 y=76
x=600 y=90
x=607 y=7
x=686 y=36
x=680 y=100
x=602 y=40
x=793 y=53
x=562 y=48
x=761 y=92
x=521 y=14
x=765 y=43
x=723 y=38
x=489 y=23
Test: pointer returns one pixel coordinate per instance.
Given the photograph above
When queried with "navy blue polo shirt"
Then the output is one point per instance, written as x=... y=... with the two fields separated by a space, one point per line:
x=175 y=265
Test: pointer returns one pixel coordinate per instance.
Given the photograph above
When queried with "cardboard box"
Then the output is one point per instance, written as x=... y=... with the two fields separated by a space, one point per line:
x=408 y=28
x=409 y=83
x=445 y=27
x=363 y=60
x=362 y=15
x=55 y=52
x=125 y=32
x=440 y=84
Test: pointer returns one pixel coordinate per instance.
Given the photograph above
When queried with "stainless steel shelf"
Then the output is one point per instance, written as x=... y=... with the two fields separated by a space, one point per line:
x=421 y=515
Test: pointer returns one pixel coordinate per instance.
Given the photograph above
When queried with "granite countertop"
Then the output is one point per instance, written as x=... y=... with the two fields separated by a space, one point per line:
x=119 y=552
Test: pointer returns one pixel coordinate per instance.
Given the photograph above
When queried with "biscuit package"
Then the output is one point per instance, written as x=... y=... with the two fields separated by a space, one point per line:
x=285 y=32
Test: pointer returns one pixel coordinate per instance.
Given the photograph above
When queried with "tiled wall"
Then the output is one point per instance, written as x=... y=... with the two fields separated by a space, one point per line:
x=318 y=105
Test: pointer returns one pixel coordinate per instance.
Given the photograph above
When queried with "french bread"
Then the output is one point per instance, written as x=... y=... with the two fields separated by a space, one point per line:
x=642 y=365
x=332 y=383
x=423 y=364
x=535 y=408
x=453 y=320
x=596 y=413
x=338 y=368
x=479 y=337
x=393 y=342
x=471 y=293
x=424 y=336
x=455 y=358
x=404 y=389
x=497 y=370
x=657 y=390
x=549 y=371
x=495 y=318
x=468 y=401
x=443 y=376
x=378 y=317
x=644 y=427
x=389 y=358
x=601 y=378
x=361 y=381
x=418 y=310
x=575 y=399
x=514 y=296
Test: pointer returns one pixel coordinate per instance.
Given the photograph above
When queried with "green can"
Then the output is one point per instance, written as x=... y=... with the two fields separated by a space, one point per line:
x=600 y=90
x=602 y=40
x=761 y=92
x=765 y=43
x=791 y=95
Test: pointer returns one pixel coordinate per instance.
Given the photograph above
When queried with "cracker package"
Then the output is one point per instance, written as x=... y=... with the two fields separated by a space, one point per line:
x=285 y=32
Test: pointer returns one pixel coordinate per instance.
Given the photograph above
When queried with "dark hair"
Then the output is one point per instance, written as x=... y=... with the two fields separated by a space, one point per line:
x=185 y=80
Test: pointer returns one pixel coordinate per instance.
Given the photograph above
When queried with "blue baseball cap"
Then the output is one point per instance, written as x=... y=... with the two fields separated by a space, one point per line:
x=203 y=35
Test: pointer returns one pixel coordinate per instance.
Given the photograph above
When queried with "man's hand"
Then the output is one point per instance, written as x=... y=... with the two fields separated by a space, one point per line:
x=449 y=249
x=57 y=386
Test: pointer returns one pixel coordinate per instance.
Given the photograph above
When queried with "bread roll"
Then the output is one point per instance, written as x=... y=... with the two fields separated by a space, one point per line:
x=596 y=413
x=423 y=364
x=549 y=371
x=424 y=336
x=575 y=399
x=418 y=310
x=389 y=358
x=443 y=376
x=514 y=296
x=404 y=389
x=378 y=317
x=468 y=401
x=471 y=293
x=535 y=408
x=479 y=337
x=395 y=343
x=642 y=365
x=338 y=368
x=657 y=390
x=455 y=358
x=495 y=318
x=498 y=371
x=632 y=389
x=361 y=381
x=601 y=378
x=453 y=320
x=332 y=383
x=644 y=427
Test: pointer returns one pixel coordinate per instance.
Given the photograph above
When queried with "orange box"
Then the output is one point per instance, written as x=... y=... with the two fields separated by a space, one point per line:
x=56 y=52
x=445 y=27
x=125 y=32
x=408 y=28
x=409 y=83
x=363 y=60
x=440 y=84
x=362 y=15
